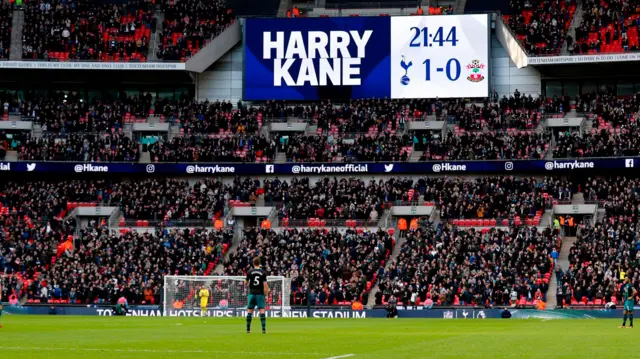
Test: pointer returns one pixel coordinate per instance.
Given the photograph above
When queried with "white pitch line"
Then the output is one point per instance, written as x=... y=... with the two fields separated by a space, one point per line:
x=342 y=356
x=160 y=351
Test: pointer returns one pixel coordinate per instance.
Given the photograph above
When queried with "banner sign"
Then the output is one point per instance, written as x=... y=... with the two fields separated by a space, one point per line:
x=443 y=167
x=155 y=311
x=582 y=59
x=366 y=57
x=73 y=65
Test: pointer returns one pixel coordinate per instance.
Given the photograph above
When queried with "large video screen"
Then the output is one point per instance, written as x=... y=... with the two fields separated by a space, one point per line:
x=366 y=57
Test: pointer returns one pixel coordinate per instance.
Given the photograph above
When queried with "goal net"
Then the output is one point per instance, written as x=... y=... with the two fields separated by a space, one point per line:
x=228 y=295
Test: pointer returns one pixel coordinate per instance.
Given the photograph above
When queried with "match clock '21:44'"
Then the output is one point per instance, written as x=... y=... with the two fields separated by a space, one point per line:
x=439 y=56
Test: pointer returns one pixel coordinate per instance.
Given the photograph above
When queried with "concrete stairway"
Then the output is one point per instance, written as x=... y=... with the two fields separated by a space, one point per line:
x=563 y=258
x=382 y=221
x=17 y=23
x=173 y=132
x=264 y=131
x=563 y=262
x=600 y=215
x=577 y=20
x=547 y=219
x=11 y=156
x=394 y=255
x=578 y=198
x=154 y=41
x=128 y=130
x=458 y=8
x=588 y=125
x=145 y=157
x=281 y=157
x=312 y=130
x=237 y=239
x=283 y=7
x=36 y=131
x=415 y=156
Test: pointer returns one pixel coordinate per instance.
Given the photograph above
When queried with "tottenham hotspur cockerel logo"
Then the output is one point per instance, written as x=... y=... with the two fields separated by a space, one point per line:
x=475 y=69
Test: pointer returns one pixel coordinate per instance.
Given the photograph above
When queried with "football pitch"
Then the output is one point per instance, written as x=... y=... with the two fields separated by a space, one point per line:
x=135 y=337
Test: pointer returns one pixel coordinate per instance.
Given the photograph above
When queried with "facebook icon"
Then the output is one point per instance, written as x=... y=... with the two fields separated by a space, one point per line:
x=629 y=163
x=269 y=169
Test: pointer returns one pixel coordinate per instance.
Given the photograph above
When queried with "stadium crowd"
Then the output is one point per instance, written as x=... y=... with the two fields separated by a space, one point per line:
x=335 y=267
x=148 y=199
x=99 y=267
x=490 y=145
x=607 y=26
x=500 y=197
x=6 y=16
x=80 y=30
x=445 y=264
x=206 y=117
x=69 y=112
x=114 y=147
x=470 y=267
x=189 y=25
x=617 y=194
x=609 y=110
x=198 y=148
x=333 y=198
x=304 y=148
x=541 y=25
x=603 y=143
x=602 y=253
x=215 y=131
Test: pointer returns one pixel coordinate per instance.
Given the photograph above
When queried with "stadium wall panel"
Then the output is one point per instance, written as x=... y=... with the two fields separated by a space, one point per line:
x=156 y=311
x=506 y=77
x=217 y=48
x=223 y=81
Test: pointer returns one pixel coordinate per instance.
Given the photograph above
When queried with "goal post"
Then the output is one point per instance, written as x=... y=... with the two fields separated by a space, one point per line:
x=227 y=293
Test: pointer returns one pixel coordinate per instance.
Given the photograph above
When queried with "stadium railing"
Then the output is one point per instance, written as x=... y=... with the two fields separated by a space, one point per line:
x=101 y=60
x=321 y=222
x=154 y=223
x=372 y=4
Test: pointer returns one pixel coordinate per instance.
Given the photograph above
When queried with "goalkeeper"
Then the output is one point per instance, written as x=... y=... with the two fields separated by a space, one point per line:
x=258 y=288
x=204 y=301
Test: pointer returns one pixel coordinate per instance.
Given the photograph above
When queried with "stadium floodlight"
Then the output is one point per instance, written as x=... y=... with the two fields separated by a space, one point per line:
x=227 y=293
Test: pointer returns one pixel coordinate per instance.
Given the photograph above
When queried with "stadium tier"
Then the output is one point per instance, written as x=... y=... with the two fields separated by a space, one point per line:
x=445 y=266
x=338 y=268
x=362 y=131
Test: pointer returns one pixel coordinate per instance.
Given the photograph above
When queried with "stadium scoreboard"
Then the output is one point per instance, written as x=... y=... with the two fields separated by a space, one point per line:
x=366 y=57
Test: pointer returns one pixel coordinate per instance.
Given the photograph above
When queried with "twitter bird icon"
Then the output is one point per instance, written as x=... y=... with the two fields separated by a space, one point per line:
x=388 y=168
x=31 y=167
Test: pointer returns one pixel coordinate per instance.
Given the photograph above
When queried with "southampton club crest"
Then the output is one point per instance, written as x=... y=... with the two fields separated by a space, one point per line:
x=475 y=69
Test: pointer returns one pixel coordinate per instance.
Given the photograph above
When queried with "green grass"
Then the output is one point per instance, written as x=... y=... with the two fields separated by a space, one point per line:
x=134 y=337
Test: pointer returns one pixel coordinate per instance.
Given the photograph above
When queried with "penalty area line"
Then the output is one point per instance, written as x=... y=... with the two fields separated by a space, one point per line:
x=167 y=351
x=342 y=356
